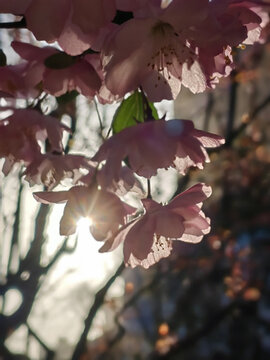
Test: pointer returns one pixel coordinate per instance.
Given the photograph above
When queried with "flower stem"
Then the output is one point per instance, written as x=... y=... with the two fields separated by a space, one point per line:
x=99 y=117
x=149 y=196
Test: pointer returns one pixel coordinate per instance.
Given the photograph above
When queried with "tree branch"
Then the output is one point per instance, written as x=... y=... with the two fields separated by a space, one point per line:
x=50 y=353
x=56 y=255
x=15 y=231
x=98 y=302
x=191 y=339
x=252 y=117
x=14 y=24
x=133 y=299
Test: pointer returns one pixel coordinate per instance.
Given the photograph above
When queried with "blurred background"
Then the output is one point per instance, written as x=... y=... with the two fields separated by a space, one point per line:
x=61 y=299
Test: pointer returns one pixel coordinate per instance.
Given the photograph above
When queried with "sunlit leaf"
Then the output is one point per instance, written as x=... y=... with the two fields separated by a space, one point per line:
x=132 y=110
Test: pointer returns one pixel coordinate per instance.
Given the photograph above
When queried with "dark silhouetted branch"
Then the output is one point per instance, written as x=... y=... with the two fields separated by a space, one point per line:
x=14 y=24
x=98 y=302
x=133 y=299
x=49 y=352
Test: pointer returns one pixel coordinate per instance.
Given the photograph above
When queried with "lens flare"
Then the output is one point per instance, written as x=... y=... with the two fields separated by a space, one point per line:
x=83 y=225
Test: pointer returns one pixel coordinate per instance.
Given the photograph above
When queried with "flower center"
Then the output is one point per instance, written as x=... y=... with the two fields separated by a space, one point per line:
x=170 y=51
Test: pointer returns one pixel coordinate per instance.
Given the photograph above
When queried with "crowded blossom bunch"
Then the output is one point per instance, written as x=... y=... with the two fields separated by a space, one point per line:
x=134 y=52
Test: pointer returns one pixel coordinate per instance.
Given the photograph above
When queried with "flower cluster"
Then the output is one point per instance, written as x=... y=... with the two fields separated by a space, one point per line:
x=113 y=50
x=156 y=47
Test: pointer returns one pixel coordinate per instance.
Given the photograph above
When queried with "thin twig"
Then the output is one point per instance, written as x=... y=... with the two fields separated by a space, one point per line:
x=252 y=117
x=14 y=24
x=15 y=232
x=99 y=117
x=56 y=256
x=50 y=353
x=149 y=196
x=208 y=110
x=133 y=299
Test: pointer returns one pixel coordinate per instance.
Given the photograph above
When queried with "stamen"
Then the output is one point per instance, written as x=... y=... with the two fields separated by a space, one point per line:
x=169 y=57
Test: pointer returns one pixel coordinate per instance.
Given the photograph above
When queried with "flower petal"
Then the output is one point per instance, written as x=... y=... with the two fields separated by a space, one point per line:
x=51 y=197
x=194 y=195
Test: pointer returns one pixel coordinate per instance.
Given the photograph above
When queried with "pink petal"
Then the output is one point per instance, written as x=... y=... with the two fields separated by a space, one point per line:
x=196 y=229
x=128 y=66
x=183 y=14
x=33 y=53
x=194 y=195
x=169 y=224
x=160 y=249
x=139 y=239
x=112 y=243
x=73 y=41
x=17 y=7
x=91 y=15
x=166 y=88
x=80 y=76
x=133 y=5
x=193 y=78
x=86 y=80
x=51 y=197
x=208 y=140
x=151 y=205
x=46 y=19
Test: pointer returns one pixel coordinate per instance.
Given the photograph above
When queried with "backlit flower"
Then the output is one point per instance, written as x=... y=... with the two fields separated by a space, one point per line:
x=16 y=82
x=106 y=211
x=164 y=49
x=75 y=24
x=51 y=169
x=22 y=132
x=156 y=144
x=127 y=181
x=74 y=74
x=149 y=238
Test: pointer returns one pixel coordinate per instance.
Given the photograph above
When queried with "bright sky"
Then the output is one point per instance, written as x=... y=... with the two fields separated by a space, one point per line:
x=67 y=293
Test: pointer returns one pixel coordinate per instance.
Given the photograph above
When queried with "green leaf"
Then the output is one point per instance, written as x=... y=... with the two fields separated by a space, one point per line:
x=133 y=110
x=60 y=60
x=3 y=58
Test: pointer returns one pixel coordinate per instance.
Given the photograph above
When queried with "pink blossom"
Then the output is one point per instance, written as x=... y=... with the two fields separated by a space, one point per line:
x=105 y=209
x=238 y=22
x=75 y=24
x=140 y=7
x=104 y=95
x=173 y=47
x=80 y=75
x=156 y=144
x=21 y=132
x=51 y=169
x=16 y=7
x=126 y=182
x=149 y=238
x=18 y=81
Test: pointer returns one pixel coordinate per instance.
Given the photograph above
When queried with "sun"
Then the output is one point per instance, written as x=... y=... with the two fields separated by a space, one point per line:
x=83 y=225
